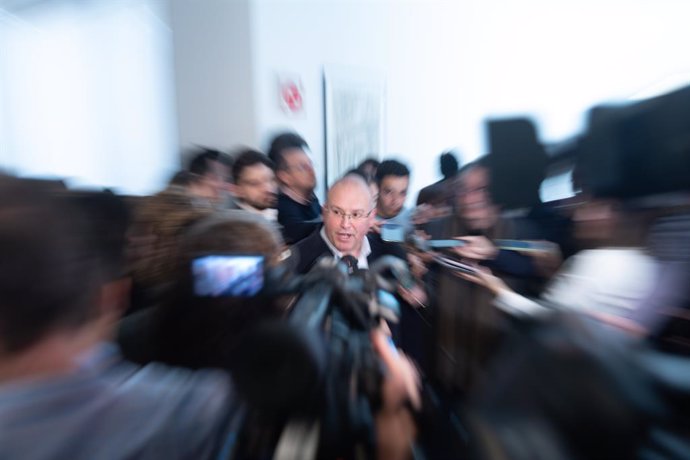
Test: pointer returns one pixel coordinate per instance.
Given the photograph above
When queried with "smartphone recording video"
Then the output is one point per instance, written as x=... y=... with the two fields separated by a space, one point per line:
x=443 y=244
x=228 y=275
x=523 y=245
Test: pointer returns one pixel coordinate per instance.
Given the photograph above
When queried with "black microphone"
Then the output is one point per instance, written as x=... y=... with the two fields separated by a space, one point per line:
x=351 y=263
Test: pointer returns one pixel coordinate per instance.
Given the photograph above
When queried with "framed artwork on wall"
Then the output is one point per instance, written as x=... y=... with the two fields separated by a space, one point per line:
x=354 y=118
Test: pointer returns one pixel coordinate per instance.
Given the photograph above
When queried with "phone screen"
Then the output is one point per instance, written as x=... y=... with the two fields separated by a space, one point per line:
x=438 y=244
x=228 y=275
x=392 y=233
x=522 y=245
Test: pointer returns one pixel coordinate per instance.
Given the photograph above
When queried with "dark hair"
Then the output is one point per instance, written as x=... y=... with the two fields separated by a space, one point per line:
x=181 y=178
x=357 y=172
x=204 y=332
x=585 y=395
x=201 y=159
x=390 y=168
x=481 y=162
x=368 y=168
x=107 y=218
x=283 y=142
x=372 y=162
x=49 y=275
x=246 y=158
x=449 y=165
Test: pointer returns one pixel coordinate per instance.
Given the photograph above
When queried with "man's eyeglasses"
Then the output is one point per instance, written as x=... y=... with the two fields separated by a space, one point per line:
x=355 y=215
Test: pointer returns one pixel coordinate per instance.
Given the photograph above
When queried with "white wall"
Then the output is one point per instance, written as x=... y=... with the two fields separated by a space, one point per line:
x=408 y=42
x=555 y=59
x=451 y=64
x=448 y=65
x=86 y=94
x=428 y=74
x=213 y=72
x=300 y=38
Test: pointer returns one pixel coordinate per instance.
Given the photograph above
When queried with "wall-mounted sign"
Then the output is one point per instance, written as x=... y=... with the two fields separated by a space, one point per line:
x=354 y=101
x=291 y=94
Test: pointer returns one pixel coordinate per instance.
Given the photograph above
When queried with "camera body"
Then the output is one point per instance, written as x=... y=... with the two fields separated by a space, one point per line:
x=321 y=356
x=637 y=149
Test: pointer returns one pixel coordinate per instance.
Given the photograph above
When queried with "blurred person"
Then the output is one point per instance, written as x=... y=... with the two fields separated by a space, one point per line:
x=608 y=280
x=373 y=188
x=348 y=213
x=582 y=345
x=441 y=193
x=664 y=314
x=466 y=328
x=393 y=180
x=159 y=219
x=106 y=219
x=153 y=239
x=616 y=275
x=199 y=331
x=209 y=172
x=565 y=388
x=368 y=169
x=299 y=210
x=180 y=179
x=60 y=294
x=255 y=185
x=479 y=221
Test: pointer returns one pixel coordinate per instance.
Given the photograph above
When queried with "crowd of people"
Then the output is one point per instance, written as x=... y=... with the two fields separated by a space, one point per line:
x=107 y=350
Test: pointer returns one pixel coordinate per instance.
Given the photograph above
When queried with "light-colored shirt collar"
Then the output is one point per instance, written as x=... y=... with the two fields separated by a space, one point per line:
x=364 y=252
x=404 y=218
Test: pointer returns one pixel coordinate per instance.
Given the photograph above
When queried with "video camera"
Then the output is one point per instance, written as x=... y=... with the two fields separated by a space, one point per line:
x=638 y=149
x=315 y=377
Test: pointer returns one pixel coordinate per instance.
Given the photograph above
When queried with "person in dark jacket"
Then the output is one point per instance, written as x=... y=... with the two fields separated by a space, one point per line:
x=299 y=210
x=348 y=215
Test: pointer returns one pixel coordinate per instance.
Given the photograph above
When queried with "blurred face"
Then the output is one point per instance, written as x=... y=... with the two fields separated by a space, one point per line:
x=347 y=216
x=596 y=221
x=257 y=186
x=392 y=195
x=474 y=202
x=299 y=171
x=215 y=180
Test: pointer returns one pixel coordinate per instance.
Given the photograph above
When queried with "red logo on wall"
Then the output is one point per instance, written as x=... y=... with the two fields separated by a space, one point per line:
x=291 y=99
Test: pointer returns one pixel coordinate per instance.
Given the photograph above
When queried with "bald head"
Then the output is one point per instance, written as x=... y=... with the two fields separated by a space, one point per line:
x=351 y=183
x=348 y=214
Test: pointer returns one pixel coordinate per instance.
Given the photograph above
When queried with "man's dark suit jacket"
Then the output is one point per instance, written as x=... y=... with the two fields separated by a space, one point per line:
x=298 y=220
x=409 y=333
x=312 y=248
